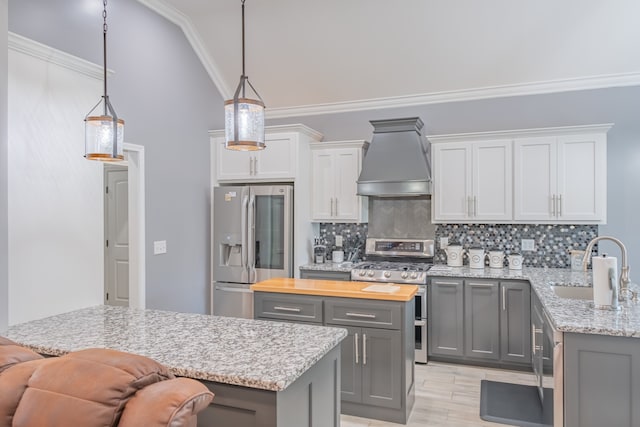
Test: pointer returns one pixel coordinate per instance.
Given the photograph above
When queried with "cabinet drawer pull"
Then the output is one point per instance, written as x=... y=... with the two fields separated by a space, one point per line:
x=291 y=309
x=481 y=285
x=504 y=298
x=361 y=315
x=447 y=283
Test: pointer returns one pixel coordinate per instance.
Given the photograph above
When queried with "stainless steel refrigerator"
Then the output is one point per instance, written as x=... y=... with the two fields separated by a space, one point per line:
x=252 y=241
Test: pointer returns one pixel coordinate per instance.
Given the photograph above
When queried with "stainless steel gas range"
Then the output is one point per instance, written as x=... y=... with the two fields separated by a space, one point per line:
x=401 y=261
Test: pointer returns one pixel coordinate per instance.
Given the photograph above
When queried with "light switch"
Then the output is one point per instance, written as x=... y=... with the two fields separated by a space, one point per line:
x=159 y=247
x=339 y=241
x=528 y=245
x=444 y=242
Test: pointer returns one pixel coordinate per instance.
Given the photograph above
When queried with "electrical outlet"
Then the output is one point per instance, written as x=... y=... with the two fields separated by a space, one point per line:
x=339 y=241
x=444 y=242
x=160 y=247
x=528 y=245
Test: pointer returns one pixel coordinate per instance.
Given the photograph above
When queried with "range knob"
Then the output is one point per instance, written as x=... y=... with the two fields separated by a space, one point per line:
x=404 y=274
x=414 y=275
x=362 y=272
x=370 y=273
x=386 y=274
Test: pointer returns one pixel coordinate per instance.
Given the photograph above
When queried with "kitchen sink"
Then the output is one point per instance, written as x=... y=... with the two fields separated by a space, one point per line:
x=573 y=292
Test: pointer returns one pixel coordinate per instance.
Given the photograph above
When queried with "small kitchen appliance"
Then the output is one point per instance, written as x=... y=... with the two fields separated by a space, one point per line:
x=401 y=261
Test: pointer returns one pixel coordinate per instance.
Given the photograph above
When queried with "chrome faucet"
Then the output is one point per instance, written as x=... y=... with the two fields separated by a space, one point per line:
x=624 y=270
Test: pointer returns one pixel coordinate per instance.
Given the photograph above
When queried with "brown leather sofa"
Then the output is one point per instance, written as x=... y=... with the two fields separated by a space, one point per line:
x=94 y=387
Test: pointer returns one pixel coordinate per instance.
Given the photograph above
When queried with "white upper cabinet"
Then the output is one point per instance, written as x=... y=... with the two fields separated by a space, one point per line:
x=472 y=181
x=335 y=167
x=277 y=162
x=561 y=178
x=553 y=175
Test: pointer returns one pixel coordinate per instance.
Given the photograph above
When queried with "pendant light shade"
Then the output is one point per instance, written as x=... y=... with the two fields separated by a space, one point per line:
x=104 y=133
x=244 y=117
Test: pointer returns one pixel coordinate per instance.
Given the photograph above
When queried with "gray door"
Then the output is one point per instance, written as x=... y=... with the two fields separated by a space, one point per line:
x=116 y=230
x=230 y=256
x=351 y=366
x=515 y=322
x=446 y=317
x=482 y=319
x=381 y=367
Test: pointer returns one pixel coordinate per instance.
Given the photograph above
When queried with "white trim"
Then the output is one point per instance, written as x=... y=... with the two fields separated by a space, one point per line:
x=54 y=56
x=137 y=261
x=181 y=20
x=296 y=127
x=520 y=133
x=537 y=88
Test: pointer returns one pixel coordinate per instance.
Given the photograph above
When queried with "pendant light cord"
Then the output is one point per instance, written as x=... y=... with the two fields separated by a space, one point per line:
x=243 y=74
x=104 y=51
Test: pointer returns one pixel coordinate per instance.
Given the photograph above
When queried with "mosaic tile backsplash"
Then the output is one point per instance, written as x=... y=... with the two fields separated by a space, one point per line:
x=552 y=242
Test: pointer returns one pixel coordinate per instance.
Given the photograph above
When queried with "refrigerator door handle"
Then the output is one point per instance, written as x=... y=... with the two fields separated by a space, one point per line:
x=243 y=215
x=251 y=238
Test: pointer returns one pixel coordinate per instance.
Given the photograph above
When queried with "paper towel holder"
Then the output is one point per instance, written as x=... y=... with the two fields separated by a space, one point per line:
x=624 y=281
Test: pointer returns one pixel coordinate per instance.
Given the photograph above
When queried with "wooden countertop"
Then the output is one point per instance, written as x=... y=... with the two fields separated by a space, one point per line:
x=334 y=288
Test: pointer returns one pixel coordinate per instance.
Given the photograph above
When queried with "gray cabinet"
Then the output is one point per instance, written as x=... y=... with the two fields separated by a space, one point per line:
x=288 y=307
x=343 y=276
x=377 y=356
x=479 y=320
x=482 y=319
x=515 y=343
x=446 y=317
x=601 y=381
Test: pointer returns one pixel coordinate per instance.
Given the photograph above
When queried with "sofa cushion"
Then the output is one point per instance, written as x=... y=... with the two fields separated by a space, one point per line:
x=86 y=388
x=11 y=353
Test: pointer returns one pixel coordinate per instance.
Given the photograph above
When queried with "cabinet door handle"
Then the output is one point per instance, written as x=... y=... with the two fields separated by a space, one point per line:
x=291 y=309
x=364 y=349
x=251 y=166
x=560 y=205
x=475 y=206
x=504 y=298
x=533 y=338
x=331 y=214
x=355 y=341
x=554 y=202
x=469 y=206
x=336 y=206
x=361 y=315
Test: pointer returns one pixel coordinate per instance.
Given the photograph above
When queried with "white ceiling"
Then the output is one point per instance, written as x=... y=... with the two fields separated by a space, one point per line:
x=346 y=55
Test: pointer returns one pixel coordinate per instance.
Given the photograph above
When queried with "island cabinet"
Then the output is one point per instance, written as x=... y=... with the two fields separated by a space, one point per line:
x=480 y=320
x=377 y=356
x=601 y=380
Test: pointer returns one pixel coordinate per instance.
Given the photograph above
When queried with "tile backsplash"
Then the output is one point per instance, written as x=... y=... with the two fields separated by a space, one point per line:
x=552 y=242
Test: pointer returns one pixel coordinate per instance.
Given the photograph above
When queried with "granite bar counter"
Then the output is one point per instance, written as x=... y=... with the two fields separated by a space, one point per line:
x=567 y=315
x=261 y=367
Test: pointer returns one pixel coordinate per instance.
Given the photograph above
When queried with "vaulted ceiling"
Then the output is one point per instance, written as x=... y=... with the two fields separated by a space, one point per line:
x=308 y=56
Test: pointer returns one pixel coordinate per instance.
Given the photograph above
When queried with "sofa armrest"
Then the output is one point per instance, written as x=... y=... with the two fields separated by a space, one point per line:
x=170 y=403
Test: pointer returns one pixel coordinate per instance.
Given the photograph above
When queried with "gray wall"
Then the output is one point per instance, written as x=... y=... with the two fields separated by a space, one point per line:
x=4 y=286
x=169 y=103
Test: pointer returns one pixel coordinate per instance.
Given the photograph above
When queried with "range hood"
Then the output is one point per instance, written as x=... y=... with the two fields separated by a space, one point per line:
x=397 y=161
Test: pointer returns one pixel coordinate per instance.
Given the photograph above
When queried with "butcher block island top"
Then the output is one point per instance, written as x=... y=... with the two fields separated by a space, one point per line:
x=250 y=353
x=335 y=288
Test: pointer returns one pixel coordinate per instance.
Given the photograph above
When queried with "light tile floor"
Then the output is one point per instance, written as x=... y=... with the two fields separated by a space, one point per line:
x=447 y=395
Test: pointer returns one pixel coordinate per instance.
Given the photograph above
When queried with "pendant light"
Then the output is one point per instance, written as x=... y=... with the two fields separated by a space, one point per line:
x=104 y=134
x=244 y=117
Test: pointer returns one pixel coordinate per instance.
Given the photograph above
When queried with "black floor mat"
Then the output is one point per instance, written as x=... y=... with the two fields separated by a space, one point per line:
x=515 y=404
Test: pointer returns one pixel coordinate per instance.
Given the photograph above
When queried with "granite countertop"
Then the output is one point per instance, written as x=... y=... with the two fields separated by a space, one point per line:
x=334 y=288
x=250 y=353
x=567 y=315
x=344 y=267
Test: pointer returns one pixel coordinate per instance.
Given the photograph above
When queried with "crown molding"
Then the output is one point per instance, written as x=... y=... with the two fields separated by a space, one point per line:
x=38 y=50
x=536 y=88
x=181 y=20
x=296 y=127
x=521 y=133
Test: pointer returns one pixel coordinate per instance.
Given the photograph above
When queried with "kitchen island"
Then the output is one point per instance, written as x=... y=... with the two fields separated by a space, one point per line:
x=377 y=357
x=262 y=373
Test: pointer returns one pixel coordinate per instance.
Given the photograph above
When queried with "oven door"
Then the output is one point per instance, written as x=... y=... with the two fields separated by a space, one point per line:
x=420 y=324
